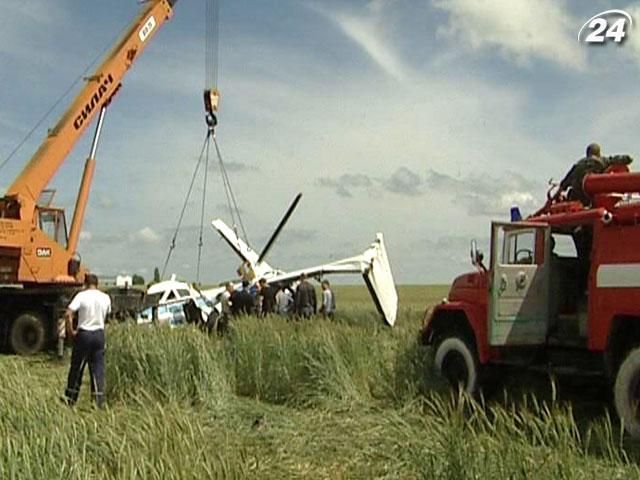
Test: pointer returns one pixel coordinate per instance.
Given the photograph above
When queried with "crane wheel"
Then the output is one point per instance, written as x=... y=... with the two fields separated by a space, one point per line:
x=626 y=392
x=457 y=363
x=28 y=334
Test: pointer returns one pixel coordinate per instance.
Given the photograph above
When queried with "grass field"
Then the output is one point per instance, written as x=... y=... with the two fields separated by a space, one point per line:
x=317 y=399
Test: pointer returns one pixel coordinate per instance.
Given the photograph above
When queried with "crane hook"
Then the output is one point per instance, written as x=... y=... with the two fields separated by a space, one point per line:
x=211 y=100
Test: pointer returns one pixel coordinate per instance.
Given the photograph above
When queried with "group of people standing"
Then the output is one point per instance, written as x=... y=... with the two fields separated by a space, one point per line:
x=264 y=299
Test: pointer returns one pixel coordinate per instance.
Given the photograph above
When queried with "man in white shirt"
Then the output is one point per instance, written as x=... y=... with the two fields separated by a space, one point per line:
x=328 y=307
x=284 y=300
x=92 y=307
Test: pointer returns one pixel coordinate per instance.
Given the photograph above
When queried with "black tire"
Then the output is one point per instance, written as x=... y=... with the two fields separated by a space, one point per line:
x=457 y=362
x=28 y=334
x=626 y=393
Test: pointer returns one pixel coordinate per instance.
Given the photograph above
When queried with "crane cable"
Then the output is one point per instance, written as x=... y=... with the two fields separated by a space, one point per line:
x=212 y=49
x=212 y=36
x=204 y=198
x=211 y=97
x=172 y=246
x=212 y=10
x=212 y=32
x=232 y=203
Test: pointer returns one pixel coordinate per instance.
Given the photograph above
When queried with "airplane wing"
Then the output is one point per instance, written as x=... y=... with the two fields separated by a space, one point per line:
x=374 y=266
x=244 y=251
x=259 y=268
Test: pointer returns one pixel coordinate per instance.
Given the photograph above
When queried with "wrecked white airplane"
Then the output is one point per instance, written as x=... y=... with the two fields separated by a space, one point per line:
x=168 y=303
x=172 y=297
x=373 y=265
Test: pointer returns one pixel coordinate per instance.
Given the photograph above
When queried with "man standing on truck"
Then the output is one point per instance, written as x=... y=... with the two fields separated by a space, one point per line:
x=592 y=163
x=92 y=307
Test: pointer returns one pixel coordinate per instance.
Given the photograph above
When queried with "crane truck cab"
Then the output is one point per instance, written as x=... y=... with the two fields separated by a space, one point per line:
x=40 y=268
x=561 y=291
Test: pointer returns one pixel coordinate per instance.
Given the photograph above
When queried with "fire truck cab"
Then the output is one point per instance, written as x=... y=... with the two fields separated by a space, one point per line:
x=562 y=291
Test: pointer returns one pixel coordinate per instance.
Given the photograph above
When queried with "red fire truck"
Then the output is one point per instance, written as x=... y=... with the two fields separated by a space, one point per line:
x=562 y=290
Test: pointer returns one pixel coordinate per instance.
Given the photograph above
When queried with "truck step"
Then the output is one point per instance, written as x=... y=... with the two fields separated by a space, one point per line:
x=572 y=341
x=568 y=370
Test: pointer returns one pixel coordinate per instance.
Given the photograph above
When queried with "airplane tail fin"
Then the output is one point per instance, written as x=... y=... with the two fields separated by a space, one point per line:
x=374 y=266
x=379 y=280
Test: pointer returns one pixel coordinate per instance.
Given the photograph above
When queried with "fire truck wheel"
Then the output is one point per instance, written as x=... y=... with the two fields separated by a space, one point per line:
x=457 y=363
x=627 y=393
x=27 y=334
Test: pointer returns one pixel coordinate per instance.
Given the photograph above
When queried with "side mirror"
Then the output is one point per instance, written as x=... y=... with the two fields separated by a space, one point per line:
x=474 y=252
x=476 y=255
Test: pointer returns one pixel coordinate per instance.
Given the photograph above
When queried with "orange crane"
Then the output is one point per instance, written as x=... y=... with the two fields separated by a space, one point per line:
x=39 y=266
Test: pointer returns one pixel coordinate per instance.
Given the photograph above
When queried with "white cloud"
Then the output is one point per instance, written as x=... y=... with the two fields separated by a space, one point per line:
x=521 y=29
x=145 y=235
x=105 y=201
x=488 y=195
x=632 y=41
x=86 y=235
x=522 y=199
x=366 y=30
x=476 y=192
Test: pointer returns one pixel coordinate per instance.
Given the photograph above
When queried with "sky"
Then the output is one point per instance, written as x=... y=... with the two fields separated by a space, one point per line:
x=422 y=119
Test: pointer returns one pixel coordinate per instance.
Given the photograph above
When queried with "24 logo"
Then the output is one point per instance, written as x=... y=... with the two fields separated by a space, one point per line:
x=605 y=26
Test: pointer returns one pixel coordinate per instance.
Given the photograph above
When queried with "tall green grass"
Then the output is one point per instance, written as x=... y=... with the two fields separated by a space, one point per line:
x=144 y=438
x=169 y=365
x=362 y=392
x=276 y=399
x=305 y=364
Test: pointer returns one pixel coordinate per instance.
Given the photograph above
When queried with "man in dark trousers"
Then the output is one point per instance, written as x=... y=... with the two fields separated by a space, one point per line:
x=267 y=294
x=305 y=301
x=242 y=302
x=92 y=307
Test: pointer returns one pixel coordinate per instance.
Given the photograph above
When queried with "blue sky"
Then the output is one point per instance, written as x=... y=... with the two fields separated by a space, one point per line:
x=423 y=119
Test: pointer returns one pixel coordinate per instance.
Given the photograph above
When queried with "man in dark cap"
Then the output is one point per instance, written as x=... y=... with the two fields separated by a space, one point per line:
x=594 y=162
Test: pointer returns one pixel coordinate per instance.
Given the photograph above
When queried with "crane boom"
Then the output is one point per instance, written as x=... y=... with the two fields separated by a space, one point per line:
x=35 y=249
x=40 y=269
x=97 y=92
